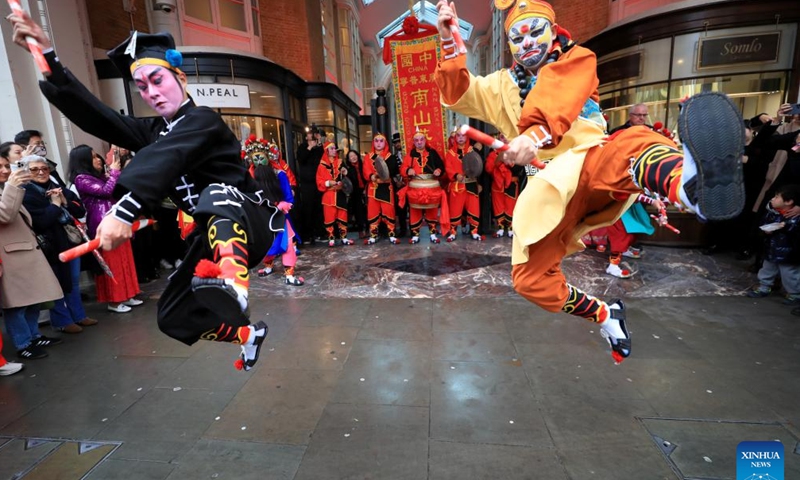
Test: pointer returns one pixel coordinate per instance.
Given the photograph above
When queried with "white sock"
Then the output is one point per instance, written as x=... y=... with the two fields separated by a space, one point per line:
x=611 y=325
x=689 y=172
x=241 y=293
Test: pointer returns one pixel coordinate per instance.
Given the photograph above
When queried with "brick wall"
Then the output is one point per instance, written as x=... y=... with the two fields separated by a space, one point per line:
x=292 y=36
x=111 y=24
x=583 y=19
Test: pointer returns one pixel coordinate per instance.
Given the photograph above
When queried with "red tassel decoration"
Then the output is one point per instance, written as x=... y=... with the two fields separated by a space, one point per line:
x=207 y=269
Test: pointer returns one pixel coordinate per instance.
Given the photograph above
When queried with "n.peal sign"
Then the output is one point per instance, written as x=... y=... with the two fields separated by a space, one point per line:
x=738 y=50
x=220 y=95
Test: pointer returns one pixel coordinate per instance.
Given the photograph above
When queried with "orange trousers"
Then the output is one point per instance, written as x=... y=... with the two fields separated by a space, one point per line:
x=431 y=216
x=460 y=201
x=377 y=212
x=605 y=172
x=503 y=207
x=333 y=216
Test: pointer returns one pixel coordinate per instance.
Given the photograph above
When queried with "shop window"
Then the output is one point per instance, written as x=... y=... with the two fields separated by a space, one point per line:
x=265 y=98
x=199 y=9
x=365 y=133
x=222 y=23
x=319 y=111
x=615 y=105
x=296 y=106
x=270 y=129
x=341 y=118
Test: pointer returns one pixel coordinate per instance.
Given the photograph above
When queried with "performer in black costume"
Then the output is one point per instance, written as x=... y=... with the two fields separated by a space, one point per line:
x=192 y=157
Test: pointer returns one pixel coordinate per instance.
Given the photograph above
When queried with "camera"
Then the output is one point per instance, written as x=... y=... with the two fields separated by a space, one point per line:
x=21 y=165
x=795 y=109
x=166 y=6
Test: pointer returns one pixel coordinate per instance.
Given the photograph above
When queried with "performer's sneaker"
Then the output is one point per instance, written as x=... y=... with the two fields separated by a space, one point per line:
x=394 y=240
x=621 y=270
x=264 y=272
x=614 y=330
x=370 y=241
x=296 y=281
x=414 y=239
x=478 y=238
x=510 y=233
x=347 y=241
x=499 y=233
x=712 y=182
x=331 y=243
x=601 y=249
x=451 y=238
x=632 y=252
x=252 y=348
x=435 y=238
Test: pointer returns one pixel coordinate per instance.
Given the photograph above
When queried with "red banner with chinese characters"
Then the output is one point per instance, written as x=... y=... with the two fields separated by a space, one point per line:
x=416 y=96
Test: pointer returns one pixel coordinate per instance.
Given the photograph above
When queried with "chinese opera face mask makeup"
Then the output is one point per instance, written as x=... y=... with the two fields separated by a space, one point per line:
x=379 y=143
x=160 y=88
x=419 y=142
x=332 y=151
x=530 y=40
x=461 y=138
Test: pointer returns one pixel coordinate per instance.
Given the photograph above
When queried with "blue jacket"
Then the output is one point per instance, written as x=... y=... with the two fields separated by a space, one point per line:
x=782 y=246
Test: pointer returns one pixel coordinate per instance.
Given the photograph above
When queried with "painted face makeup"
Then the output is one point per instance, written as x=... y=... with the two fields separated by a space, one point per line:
x=530 y=40
x=332 y=151
x=419 y=142
x=379 y=143
x=461 y=138
x=160 y=89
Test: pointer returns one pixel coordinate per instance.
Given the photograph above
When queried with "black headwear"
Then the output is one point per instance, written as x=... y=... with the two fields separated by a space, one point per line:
x=146 y=49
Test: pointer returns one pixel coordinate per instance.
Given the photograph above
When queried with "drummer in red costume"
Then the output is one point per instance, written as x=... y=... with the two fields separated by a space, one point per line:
x=380 y=193
x=422 y=168
x=330 y=172
x=505 y=190
x=463 y=190
x=589 y=180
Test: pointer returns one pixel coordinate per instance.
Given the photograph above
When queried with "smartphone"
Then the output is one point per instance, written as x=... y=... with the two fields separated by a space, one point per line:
x=795 y=109
x=20 y=166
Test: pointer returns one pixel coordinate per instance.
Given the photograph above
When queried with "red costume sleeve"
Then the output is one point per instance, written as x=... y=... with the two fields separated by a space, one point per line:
x=369 y=167
x=408 y=162
x=562 y=88
x=452 y=165
x=491 y=161
x=289 y=173
x=323 y=174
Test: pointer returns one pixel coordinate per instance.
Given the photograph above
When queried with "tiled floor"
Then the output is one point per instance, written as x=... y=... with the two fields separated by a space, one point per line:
x=420 y=362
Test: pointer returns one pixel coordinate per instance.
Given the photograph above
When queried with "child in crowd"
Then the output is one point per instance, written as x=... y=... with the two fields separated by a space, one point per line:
x=782 y=255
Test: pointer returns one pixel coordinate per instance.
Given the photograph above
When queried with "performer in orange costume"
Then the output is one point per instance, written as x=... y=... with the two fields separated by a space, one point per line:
x=424 y=163
x=463 y=190
x=505 y=190
x=590 y=180
x=380 y=193
x=334 y=201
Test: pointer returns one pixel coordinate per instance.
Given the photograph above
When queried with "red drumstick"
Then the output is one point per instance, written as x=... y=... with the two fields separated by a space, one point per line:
x=33 y=45
x=667 y=225
x=497 y=144
x=84 y=248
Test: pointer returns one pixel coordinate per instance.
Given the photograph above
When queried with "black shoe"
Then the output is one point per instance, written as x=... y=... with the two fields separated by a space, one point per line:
x=31 y=352
x=620 y=347
x=47 y=341
x=711 y=129
x=250 y=353
x=219 y=297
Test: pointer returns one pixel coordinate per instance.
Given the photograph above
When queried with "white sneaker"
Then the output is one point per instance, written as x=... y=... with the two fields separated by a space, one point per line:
x=434 y=238
x=499 y=233
x=414 y=239
x=451 y=237
x=10 y=368
x=633 y=252
x=166 y=265
x=620 y=271
x=394 y=240
x=371 y=241
x=121 y=308
x=614 y=330
x=510 y=233
x=477 y=237
x=331 y=243
x=347 y=241
x=133 y=302
x=252 y=348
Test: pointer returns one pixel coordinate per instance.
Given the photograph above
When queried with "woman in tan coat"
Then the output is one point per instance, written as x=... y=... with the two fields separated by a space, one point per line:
x=27 y=279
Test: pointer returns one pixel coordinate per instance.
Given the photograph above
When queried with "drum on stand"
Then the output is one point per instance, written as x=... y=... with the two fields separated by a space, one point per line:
x=424 y=193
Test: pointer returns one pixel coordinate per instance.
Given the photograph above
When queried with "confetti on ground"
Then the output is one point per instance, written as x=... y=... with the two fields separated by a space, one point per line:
x=405 y=380
x=452 y=367
x=707 y=459
x=362 y=379
x=656 y=336
x=628 y=379
x=139 y=389
x=216 y=418
x=335 y=358
x=709 y=391
x=244 y=428
x=104 y=420
x=511 y=422
x=344 y=343
x=346 y=435
x=272 y=349
x=177 y=389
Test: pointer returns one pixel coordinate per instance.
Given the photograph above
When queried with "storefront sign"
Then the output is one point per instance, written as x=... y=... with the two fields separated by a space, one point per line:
x=220 y=95
x=620 y=68
x=416 y=96
x=738 y=50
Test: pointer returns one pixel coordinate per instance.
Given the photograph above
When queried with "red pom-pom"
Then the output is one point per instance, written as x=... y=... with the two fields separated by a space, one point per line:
x=207 y=269
x=238 y=364
x=658 y=126
x=618 y=358
x=252 y=137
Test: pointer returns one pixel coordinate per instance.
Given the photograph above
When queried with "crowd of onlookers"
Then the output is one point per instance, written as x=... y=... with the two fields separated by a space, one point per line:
x=42 y=215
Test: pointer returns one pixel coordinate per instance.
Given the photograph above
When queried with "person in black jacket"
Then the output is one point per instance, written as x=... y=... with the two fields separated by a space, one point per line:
x=192 y=157
x=26 y=138
x=309 y=208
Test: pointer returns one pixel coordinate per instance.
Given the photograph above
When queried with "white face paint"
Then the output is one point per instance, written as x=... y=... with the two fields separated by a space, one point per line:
x=530 y=40
x=419 y=142
x=461 y=138
x=379 y=143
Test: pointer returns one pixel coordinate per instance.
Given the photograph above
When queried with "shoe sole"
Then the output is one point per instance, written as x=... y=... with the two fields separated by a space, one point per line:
x=711 y=127
x=216 y=297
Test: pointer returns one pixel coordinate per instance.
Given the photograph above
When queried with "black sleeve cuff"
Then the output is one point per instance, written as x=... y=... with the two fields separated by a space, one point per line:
x=127 y=209
x=58 y=75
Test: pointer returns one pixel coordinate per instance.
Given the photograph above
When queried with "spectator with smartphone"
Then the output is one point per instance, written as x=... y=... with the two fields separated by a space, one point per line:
x=34 y=140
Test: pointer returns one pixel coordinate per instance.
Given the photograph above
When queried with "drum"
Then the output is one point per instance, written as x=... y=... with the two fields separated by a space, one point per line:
x=424 y=193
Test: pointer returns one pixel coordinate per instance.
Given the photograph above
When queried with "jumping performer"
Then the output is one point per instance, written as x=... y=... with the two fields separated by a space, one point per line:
x=548 y=104
x=191 y=156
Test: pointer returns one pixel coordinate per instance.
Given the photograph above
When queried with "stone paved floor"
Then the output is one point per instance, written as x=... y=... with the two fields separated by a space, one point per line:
x=403 y=362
